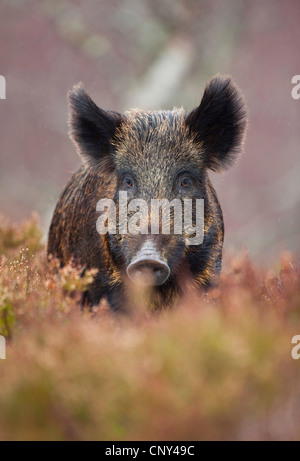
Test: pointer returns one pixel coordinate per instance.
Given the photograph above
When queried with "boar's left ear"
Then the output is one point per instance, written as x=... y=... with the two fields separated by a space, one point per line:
x=91 y=128
x=219 y=123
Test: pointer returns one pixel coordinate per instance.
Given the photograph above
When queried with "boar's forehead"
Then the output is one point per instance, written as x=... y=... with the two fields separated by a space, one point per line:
x=157 y=142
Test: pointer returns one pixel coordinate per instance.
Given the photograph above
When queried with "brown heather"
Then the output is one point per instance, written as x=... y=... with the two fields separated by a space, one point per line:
x=217 y=367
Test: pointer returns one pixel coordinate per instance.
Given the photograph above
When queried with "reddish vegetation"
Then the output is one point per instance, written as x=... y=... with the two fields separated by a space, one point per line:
x=218 y=367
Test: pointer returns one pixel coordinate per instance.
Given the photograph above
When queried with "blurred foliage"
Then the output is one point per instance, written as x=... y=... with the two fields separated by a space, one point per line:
x=217 y=367
x=13 y=236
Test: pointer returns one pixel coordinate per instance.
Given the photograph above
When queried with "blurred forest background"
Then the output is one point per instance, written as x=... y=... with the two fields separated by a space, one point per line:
x=154 y=54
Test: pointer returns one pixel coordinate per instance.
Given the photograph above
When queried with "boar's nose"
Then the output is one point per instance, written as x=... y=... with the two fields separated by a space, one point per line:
x=148 y=269
x=148 y=272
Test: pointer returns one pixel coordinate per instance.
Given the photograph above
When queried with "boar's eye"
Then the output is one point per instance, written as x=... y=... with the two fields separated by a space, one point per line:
x=185 y=182
x=128 y=182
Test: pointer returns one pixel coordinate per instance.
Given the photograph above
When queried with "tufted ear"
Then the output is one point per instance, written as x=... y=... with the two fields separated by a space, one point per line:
x=219 y=123
x=91 y=128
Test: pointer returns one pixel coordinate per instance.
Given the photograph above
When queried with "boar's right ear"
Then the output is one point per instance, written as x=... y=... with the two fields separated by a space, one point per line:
x=91 y=128
x=219 y=123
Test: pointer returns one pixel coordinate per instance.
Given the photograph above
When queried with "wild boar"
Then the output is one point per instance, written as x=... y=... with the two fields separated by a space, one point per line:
x=147 y=155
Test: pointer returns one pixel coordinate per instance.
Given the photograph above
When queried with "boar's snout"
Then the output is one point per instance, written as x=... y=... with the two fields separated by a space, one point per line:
x=147 y=268
x=148 y=272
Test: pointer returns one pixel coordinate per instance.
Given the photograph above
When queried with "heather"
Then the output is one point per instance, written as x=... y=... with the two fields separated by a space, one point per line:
x=217 y=367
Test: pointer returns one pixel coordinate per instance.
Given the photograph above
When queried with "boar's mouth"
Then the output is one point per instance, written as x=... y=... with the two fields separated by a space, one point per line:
x=148 y=268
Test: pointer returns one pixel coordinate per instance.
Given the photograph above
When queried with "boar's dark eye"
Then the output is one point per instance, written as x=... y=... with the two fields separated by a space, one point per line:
x=185 y=182
x=128 y=182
